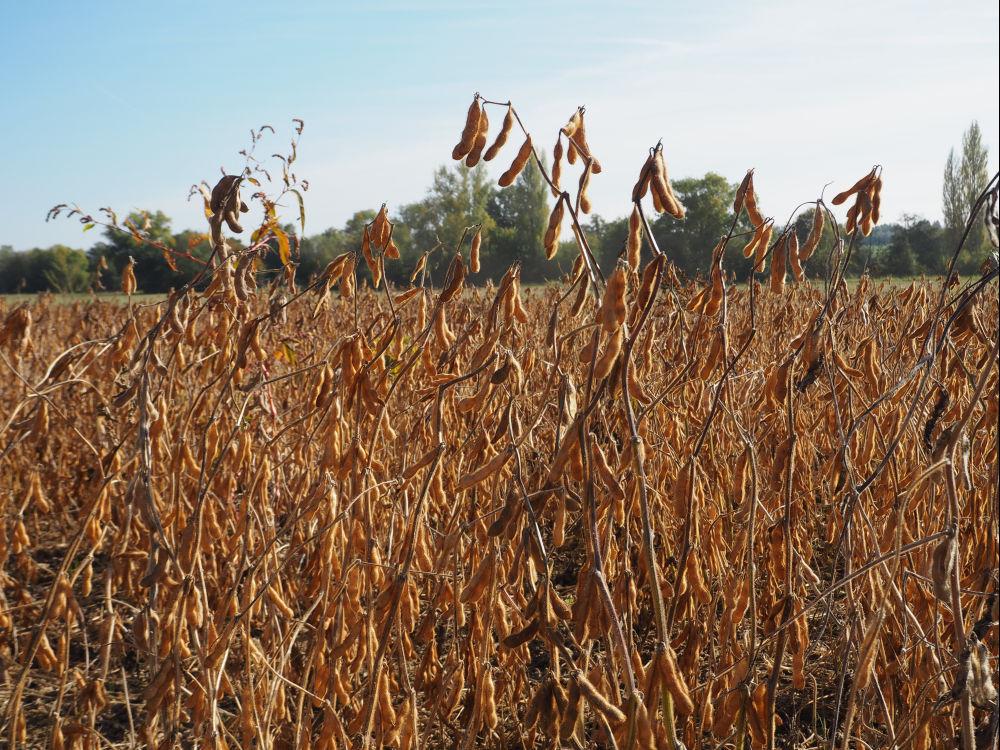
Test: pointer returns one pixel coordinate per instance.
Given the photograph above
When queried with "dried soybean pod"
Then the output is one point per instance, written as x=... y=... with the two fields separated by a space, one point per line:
x=756 y=218
x=571 y=129
x=634 y=245
x=981 y=688
x=469 y=133
x=778 y=262
x=717 y=290
x=574 y=122
x=492 y=466
x=489 y=704
x=647 y=283
x=793 y=256
x=864 y=203
x=581 y=298
x=612 y=312
x=750 y=248
x=380 y=228
x=586 y=354
x=657 y=192
x=658 y=183
x=674 y=681
x=128 y=278
x=557 y=153
x=520 y=637
x=852 y=219
x=502 y=136
x=581 y=138
x=942 y=565
x=477 y=240
x=366 y=249
x=421 y=264
x=523 y=154
x=454 y=279
x=760 y=253
x=480 y=580
x=574 y=702
x=741 y=192
x=876 y=196
x=642 y=184
x=661 y=184
x=598 y=701
x=482 y=132
x=607 y=359
x=551 y=241
x=815 y=234
x=223 y=192
x=582 y=193
x=861 y=184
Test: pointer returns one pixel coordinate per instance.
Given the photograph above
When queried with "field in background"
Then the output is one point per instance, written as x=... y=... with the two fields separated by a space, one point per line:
x=11 y=300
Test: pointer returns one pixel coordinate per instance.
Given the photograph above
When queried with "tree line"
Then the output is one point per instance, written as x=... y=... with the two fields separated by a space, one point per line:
x=513 y=223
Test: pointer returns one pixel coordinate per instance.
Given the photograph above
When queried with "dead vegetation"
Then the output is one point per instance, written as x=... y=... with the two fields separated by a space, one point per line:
x=630 y=512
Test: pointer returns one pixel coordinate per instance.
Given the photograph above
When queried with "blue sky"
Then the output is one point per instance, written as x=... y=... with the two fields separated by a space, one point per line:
x=128 y=104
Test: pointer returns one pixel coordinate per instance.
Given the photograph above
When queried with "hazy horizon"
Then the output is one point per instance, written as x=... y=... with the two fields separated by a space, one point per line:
x=126 y=108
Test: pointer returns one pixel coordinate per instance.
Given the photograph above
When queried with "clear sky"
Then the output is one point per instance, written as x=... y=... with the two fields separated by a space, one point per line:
x=128 y=104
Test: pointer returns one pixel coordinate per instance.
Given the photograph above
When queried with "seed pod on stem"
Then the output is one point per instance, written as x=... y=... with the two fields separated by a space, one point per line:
x=482 y=133
x=793 y=256
x=778 y=262
x=469 y=132
x=741 y=192
x=641 y=186
x=612 y=312
x=815 y=234
x=454 y=279
x=608 y=357
x=750 y=199
x=634 y=245
x=128 y=278
x=551 y=240
x=557 y=153
x=863 y=184
x=520 y=160
x=477 y=240
x=502 y=136
x=598 y=700
x=942 y=565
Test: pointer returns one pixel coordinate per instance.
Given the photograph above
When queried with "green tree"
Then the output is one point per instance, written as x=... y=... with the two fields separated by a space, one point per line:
x=152 y=273
x=457 y=199
x=926 y=239
x=521 y=215
x=689 y=243
x=55 y=269
x=898 y=258
x=607 y=240
x=11 y=270
x=964 y=180
x=66 y=270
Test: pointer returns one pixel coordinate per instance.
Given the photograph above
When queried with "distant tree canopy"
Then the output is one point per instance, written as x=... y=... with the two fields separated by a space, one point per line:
x=965 y=178
x=513 y=223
